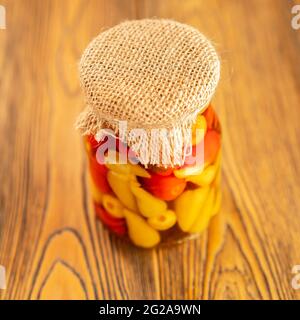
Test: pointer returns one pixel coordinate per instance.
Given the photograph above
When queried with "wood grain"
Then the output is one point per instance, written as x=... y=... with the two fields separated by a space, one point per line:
x=50 y=242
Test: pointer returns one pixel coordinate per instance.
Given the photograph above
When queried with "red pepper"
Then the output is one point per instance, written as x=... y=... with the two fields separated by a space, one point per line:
x=116 y=225
x=164 y=187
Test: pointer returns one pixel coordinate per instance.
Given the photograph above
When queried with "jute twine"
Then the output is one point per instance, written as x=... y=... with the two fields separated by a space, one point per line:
x=154 y=74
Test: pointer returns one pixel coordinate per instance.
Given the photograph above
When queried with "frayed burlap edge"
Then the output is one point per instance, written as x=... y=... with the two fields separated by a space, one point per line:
x=168 y=150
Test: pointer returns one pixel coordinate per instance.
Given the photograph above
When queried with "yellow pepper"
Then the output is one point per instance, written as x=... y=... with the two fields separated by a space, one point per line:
x=208 y=175
x=111 y=162
x=120 y=184
x=205 y=178
x=113 y=206
x=163 y=221
x=139 y=231
x=188 y=206
x=139 y=171
x=148 y=205
x=187 y=172
x=204 y=214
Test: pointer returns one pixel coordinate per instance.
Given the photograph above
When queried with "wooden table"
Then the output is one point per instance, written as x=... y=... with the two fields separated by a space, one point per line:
x=50 y=242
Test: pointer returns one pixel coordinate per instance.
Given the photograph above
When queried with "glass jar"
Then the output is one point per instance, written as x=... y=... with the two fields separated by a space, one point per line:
x=157 y=205
x=156 y=77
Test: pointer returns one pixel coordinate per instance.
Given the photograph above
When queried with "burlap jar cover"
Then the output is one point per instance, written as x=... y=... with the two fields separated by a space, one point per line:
x=154 y=74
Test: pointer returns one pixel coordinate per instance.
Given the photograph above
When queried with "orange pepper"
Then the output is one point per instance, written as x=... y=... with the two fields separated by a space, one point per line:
x=212 y=144
x=164 y=187
x=209 y=115
x=212 y=119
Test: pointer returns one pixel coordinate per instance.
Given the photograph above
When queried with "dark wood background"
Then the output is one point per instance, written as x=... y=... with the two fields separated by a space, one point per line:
x=50 y=242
